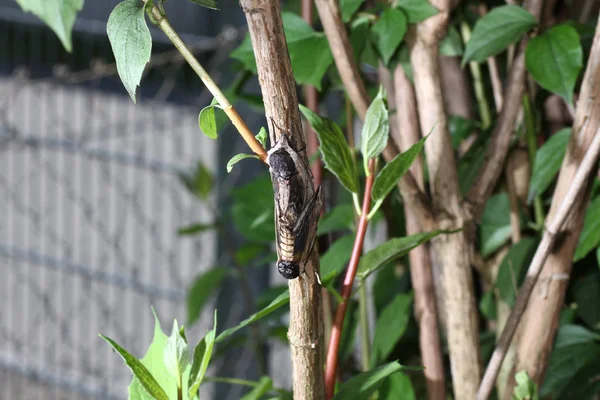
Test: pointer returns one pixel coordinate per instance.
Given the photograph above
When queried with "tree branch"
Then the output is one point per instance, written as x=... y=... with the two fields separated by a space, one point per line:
x=489 y=173
x=281 y=106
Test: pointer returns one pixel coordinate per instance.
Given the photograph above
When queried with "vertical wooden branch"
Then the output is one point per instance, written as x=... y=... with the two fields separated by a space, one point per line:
x=281 y=105
x=452 y=252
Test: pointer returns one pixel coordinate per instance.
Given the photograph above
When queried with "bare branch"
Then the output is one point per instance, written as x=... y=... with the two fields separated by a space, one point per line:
x=281 y=106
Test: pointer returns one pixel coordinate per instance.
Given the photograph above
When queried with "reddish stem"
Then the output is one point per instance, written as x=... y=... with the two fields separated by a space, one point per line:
x=336 y=332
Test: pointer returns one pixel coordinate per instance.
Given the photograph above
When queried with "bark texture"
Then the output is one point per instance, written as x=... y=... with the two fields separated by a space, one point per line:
x=544 y=306
x=281 y=106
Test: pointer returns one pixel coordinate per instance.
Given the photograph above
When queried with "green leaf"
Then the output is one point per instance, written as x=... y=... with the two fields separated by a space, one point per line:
x=388 y=32
x=340 y=218
x=570 y=335
x=245 y=54
x=199 y=181
x=201 y=290
x=359 y=35
x=194 y=229
x=131 y=42
x=393 y=171
x=280 y=301
x=59 y=15
x=525 y=388
x=590 y=235
x=176 y=356
x=497 y=30
x=487 y=306
x=237 y=158
x=555 y=59
x=261 y=136
x=584 y=384
x=264 y=385
x=336 y=258
x=252 y=210
x=417 y=10
x=451 y=45
x=495 y=224
x=391 y=325
x=202 y=354
x=207 y=120
x=140 y=372
x=567 y=358
x=587 y=297
x=470 y=163
x=513 y=268
x=212 y=4
x=547 y=162
x=334 y=149
x=392 y=249
x=376 y=129
x=397 y=387
x=460 y=128
x=349 y=7
x=363 y=385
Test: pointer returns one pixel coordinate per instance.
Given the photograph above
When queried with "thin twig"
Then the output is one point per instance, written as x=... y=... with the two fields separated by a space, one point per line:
x=163 y=23
x=575 y=190
x=336 y=332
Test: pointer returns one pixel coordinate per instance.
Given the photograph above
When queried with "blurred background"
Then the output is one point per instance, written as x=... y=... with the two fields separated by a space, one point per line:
x=92 y=197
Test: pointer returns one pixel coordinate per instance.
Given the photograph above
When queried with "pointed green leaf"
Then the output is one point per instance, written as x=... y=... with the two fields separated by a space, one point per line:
x=237 y=158
x=548 y=159
x=388 y=32
x=375 y=130
x=495 y=224
x=397 y=387
x=252 y=209
x=513 y=268
x=525 y=388
x=334 y=149
x=349 y=7
x=194 y=229
x=201 y=290
x=263 y=386
x=280 y=301
x=202 y=354
x=497 y=30
x=417 y=10
x=261 y=136
x=451 y=45
x=340 y=218
x=59 y=15
x=590 y=235
x=207 y=120
x=212 y=4
x=363 y=385
x=390 y=327
x=140 y=372
x=198 y=181
x=131 y=42
x=555 y=59
x=393 y=171
x=336 y=258
x=176 y=356
x=392 y=249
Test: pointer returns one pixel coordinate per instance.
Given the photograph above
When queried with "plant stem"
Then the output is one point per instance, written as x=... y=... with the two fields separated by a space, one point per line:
x=482 y=103
x=538 y=208
x=336 y=332
x=543 y=251
x=163 y=23
x=365 y=342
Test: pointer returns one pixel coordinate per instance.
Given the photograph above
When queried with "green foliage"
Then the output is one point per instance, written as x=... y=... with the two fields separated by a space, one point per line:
x=336 y=258
x=587 y=296
x=513 y=268
x=201 y=290
x=451 y=45
x=301 y=40
x=140 y=372
x=397 y=387
x=555 y=59
x=341 y=217
x=393 y=171
x=391 y=250
x=495 y=224
x=206 y=3
x=390 y=327
x=176 y=356
x=237 y=158
x=264 y=385
x=59 y=15
x=349 y=7
x=497 y=30
x=194 y=229
x=375 y=130
x=207 y=120
x=590 y=235
x=198 y=181
x=363 y=385
x=202 y=355
x=417 y=10
x=252 y=210
x=460 y=128
x=388 y=32
x=525 y=388
x=547 y=162
x=334 y=149
x=131 y=42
